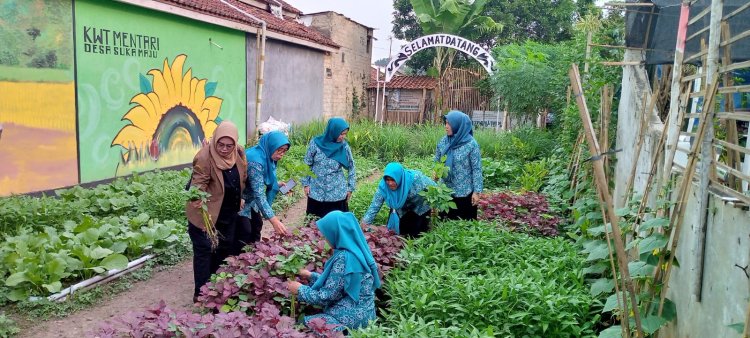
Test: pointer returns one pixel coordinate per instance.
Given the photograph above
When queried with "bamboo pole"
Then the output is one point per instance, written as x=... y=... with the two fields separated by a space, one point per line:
x=707 y=170
x=626 y=327
x=603 y=187
x=641 y=137
x=673 y=132
x=678 y=212
x=746 y=332
x=733 y=156
x=607 y=113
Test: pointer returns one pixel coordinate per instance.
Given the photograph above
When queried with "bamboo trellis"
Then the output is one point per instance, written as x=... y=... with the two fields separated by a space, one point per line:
x=730 y=166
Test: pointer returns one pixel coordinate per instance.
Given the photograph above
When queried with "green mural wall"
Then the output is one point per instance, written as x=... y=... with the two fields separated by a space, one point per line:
x=151 y=87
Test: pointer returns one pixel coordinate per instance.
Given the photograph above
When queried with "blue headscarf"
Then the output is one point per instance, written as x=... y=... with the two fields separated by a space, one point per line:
x=396 y=198
x=261 y=153
x=343 y=232
x=463 y=133
x=327 y=142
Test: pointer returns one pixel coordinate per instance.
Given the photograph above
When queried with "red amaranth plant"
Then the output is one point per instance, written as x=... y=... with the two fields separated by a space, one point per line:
x=161 y=321
x=258 y=277
x=527 y=212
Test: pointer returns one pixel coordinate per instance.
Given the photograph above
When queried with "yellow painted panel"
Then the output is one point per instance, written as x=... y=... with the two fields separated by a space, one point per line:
x=38 y=105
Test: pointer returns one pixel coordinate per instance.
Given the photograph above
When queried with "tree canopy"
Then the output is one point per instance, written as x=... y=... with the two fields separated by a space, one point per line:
x=545 y=21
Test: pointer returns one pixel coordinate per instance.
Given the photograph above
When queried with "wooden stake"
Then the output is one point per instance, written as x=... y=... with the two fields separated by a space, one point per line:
x=606 y=114
x=733 y=156
x=641 y=137
x=603 y=187
x=678 y=213
x=746 y=333
x=626 y=327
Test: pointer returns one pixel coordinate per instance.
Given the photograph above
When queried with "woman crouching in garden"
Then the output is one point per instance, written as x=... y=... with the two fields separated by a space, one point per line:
x=400 y=188
x=263 y=186
x=346 y=287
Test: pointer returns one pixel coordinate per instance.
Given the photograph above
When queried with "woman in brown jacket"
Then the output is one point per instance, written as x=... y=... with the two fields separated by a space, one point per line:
x=220 y=169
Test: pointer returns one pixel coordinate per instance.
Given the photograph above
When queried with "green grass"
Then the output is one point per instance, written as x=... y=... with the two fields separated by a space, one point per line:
x=22 y=74
x=392 y=142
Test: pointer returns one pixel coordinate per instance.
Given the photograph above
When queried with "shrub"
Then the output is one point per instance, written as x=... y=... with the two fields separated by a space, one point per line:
x=527 y=212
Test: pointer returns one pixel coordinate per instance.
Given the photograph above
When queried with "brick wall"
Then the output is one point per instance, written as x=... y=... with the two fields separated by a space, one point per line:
x=349 y=66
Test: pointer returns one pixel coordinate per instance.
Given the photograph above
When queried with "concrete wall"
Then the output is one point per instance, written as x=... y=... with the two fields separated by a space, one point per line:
x=631 y=109
x=350 y=65
x=726 y=288
x=293 y=83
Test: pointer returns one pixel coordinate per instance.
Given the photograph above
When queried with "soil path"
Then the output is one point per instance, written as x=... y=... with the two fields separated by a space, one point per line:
x=175 y=286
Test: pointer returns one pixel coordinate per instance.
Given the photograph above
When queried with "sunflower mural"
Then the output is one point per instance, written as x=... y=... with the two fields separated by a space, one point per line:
x=174 y=113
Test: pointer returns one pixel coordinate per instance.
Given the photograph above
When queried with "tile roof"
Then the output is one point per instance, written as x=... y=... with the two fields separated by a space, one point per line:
x=286 y=6
x=284 y=26
x=406 y=81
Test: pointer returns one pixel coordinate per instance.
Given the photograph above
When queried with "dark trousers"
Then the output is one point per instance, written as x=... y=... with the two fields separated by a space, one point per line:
x=412 y=225
x=205 y=260
x=256 y=226
x=464 y=209
x=320 y=209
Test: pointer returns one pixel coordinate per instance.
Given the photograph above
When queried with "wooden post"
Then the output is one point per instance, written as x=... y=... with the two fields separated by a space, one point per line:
x=673 y=132
x=606 y=199
x=746 y=332
x=708 y=170
x=589 y=35
x=606 y=114
x=424 y=105
x=733 y=156
x=678 y=212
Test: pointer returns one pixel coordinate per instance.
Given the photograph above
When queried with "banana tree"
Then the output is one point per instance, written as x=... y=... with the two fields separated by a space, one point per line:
x=457 y=17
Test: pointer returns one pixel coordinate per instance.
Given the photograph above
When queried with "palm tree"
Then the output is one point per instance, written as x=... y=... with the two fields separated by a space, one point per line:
x=457 y=17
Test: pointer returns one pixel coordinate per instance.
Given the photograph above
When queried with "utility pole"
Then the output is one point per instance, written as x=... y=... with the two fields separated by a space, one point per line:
x=384 y=106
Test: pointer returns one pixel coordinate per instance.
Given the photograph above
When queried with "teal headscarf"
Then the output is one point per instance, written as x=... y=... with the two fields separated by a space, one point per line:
x=327 y=142
x=343 y=232
x=463 y=133
x=396 y=198
x=261 y=153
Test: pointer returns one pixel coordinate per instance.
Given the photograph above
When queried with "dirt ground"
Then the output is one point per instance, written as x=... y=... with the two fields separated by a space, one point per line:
x=175 y=286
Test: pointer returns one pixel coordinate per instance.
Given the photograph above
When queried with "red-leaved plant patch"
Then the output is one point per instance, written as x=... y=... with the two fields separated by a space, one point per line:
x=259 y=277
x=249 y=291
x=161 y=321
x=527 y=212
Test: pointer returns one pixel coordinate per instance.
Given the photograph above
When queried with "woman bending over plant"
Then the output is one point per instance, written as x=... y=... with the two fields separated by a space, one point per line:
x=400 y=188
x=464 y=162
x=346 y=287
x=219 y=172
x=328 y=155
x=263 y=187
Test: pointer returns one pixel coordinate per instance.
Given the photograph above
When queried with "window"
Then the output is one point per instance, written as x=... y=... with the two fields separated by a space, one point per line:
x=342 y=57
x=329 y=73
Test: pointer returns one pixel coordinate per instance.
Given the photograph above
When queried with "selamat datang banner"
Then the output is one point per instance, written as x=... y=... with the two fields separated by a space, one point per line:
x=439 y=40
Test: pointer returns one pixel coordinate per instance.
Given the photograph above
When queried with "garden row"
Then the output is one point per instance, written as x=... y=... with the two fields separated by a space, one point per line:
x=469 y=279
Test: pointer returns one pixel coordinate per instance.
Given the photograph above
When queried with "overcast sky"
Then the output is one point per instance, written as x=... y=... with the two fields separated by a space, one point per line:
x=377 y=14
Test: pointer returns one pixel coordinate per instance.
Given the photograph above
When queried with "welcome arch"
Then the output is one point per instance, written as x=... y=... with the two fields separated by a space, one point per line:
x=439 y=40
